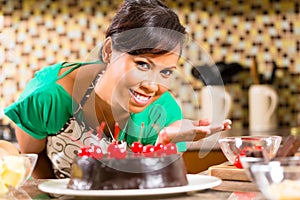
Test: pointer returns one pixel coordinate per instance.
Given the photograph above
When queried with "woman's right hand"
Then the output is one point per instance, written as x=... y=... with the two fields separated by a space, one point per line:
x=189 y=130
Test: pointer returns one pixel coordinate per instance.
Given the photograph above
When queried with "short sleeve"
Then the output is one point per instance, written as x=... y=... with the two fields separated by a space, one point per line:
x=42 y=113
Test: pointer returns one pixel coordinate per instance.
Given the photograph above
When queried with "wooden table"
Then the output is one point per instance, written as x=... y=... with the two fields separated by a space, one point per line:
x=227 y=190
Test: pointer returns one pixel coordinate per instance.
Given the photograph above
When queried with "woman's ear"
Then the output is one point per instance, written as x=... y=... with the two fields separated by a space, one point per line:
x=107 y=50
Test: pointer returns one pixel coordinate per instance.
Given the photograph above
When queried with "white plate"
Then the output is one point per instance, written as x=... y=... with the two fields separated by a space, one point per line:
x=195 y=183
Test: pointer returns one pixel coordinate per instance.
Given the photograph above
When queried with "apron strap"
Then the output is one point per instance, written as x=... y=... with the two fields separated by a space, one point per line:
x=76 y=65
x=87 y=94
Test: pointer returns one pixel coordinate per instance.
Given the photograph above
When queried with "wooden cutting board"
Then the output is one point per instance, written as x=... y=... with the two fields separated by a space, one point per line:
x=228 y=172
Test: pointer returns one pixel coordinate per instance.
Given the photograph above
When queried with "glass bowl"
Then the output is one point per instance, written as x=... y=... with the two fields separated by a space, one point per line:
x=249 y=146
x=278 y=178
x=15 y=171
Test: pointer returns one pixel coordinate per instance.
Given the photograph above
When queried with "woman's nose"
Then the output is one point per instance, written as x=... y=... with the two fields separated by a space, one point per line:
x=151 y=86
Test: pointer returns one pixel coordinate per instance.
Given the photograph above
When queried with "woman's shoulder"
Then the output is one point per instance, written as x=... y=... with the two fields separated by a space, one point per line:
x=43 y=83
x=47 y=82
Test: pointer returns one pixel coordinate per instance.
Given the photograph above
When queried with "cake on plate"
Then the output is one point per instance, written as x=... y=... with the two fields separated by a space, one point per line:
x=145 y=167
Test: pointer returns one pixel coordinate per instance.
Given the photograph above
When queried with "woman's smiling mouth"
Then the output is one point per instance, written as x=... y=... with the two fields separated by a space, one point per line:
x=140 y=98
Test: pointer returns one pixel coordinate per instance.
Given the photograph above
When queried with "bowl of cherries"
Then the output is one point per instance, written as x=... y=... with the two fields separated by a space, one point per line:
x=249 y=146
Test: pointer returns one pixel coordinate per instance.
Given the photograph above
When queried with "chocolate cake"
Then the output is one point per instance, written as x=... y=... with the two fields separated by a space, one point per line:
x=141 y=167
x=132 y=172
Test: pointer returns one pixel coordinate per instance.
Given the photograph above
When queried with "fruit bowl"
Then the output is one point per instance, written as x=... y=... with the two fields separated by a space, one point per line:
x=250 y=146
x=15 y=170
x=278 y=178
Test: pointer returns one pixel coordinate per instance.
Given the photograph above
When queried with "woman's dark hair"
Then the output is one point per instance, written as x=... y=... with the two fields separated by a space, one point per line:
x=145 y=26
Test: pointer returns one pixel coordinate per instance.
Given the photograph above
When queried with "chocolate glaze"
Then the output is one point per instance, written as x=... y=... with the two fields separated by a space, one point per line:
x=130 y=173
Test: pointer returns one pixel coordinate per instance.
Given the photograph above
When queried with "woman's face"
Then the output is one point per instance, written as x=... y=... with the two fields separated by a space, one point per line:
x=133 y=82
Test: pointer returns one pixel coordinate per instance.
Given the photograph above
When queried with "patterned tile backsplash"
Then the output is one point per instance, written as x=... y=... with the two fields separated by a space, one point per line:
x=34 y=34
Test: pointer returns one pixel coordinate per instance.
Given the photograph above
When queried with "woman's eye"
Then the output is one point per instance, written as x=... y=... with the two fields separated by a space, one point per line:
x=143 y=65
x=166 y=73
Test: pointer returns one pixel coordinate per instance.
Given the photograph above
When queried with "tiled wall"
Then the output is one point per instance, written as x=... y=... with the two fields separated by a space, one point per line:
x=34 y=34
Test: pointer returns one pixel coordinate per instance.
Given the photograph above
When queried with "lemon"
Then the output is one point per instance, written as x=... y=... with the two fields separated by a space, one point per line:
x=13 y=170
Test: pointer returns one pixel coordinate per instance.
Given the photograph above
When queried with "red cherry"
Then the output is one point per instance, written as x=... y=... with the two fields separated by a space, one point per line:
x=96 y=151
x=112 y=146
x=84 y=151
x=237 y=162
x=170 y=148
x=119 y=154
x=245 y=149
x=159 y=149
x=158 y=146
x=258 y=147
x=114 y=151
x=148 y=150
x=136 y=147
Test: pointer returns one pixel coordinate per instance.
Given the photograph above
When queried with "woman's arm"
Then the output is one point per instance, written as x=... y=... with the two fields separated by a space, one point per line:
x=28 y=144
x=188 y=130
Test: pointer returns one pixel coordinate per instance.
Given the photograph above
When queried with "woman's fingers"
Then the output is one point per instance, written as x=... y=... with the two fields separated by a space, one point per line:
x=227 y=124
x=202 y=122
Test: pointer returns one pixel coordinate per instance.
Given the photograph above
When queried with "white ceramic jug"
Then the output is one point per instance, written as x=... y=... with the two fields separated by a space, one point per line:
x=263 y=100
x=216 y=103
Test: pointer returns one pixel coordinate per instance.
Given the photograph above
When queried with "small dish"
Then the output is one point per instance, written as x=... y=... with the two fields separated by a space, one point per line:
x=15 y=170
x=249 y=146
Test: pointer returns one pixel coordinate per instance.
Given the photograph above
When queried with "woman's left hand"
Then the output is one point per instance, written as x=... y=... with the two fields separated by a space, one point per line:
x=189 y=130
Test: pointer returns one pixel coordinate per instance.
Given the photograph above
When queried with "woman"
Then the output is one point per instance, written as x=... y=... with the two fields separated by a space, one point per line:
x=64 y=105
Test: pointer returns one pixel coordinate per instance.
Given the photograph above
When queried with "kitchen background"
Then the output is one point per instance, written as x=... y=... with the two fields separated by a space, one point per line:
x=34 y=34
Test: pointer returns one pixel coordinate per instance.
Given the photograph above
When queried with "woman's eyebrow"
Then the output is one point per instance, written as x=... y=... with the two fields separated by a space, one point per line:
x=153 y=64
x=149 y=60
x=173 y=67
